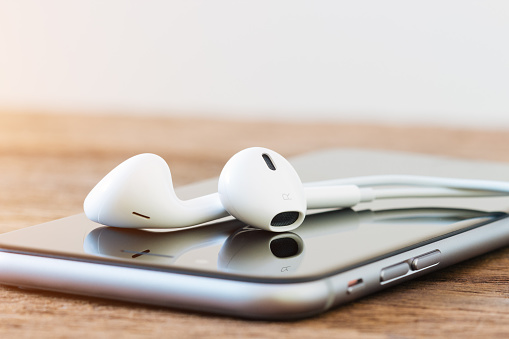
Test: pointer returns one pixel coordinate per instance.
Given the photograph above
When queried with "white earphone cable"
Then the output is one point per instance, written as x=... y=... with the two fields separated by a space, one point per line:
x=414 y=180
x=429 y=192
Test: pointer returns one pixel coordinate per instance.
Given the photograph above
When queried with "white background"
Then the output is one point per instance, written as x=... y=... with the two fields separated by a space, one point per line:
x=420 y=62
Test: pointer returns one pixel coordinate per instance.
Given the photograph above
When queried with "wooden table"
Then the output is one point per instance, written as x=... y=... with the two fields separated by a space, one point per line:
x=48 y=163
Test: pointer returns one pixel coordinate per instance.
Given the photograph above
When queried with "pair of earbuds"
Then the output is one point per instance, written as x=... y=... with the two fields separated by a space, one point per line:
x=258 y=187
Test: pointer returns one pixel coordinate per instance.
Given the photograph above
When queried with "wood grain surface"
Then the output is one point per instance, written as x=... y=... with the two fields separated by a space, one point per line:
x=48 y=163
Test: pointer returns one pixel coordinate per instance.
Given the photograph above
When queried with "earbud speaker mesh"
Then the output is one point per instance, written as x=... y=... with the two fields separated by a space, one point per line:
x=285 y=218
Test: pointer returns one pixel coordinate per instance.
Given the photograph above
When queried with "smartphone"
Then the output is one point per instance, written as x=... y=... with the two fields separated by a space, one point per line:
x=230 y=268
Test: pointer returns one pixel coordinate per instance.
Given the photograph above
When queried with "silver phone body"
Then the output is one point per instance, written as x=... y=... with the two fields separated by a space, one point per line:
x=229 y=268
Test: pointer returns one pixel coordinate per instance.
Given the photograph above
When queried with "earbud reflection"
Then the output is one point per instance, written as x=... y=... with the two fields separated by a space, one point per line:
x=243 y=249
x=154 y=247
x=250 y=249
x=234 y=247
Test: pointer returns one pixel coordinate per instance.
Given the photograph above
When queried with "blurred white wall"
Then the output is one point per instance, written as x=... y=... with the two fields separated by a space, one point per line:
x=432 y=62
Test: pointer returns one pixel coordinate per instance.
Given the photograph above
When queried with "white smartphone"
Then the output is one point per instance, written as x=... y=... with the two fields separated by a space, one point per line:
x=230 y=268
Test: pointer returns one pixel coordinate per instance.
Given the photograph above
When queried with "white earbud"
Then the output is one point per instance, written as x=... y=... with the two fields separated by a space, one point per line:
x=261 y=188
x=257 y=186
x=139 y=193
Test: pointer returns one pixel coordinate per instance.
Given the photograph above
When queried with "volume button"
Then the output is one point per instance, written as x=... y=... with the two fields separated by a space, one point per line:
x=394 y=271
x=426 y=260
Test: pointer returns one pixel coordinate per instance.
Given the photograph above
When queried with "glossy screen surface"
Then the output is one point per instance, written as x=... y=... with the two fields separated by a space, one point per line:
x=326 y=243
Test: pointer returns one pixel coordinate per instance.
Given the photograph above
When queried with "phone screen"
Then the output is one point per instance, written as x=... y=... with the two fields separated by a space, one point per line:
x=326 y=243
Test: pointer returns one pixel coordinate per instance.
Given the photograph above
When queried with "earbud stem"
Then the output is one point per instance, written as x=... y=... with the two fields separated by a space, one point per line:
x=205 y=208
x=333 y=196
